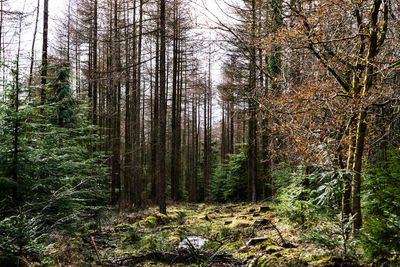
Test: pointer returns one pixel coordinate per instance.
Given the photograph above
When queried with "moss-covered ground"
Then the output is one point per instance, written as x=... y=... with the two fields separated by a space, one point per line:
x=239 y=234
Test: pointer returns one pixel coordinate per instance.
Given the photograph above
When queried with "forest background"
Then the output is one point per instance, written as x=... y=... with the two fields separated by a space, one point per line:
x=128 y=104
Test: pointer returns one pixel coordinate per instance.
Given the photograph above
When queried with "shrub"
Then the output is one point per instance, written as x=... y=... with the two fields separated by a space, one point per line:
x=313 y=202
x=229 y=182
x=381 y=201
x=306 y=198
x=60 y=181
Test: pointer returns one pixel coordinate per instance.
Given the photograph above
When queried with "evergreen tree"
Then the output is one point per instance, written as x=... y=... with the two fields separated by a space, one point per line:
x=61 y=181
x=229 y=180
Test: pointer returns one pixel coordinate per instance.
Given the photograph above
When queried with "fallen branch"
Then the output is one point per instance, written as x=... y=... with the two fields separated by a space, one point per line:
x=96 y=250
x=279 y=233
x=253 y=262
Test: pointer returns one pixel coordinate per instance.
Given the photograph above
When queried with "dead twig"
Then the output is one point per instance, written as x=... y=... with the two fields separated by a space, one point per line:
x=253 y=262
x=279 y=233
x=96 y=250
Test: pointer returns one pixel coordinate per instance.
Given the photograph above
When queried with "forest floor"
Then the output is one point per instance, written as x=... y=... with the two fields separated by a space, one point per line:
x=239 y=234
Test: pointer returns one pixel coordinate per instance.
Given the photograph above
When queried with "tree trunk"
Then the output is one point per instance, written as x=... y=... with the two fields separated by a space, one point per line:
x=33 y=44
x=358 y=154
x=128 y=126
x=346 y=198
x=207 y=132
x=116 y=115
x=137 y=125
x=252 y=131
x=193 y=194
x=95 y=78
x=16 y=86
x=174 y=116
x=44 y=50
x=155 y=123
x=163 y=114
x=223 y=135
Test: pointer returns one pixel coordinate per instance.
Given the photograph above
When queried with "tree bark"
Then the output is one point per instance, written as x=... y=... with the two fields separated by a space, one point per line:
x=163 y=114
x=44 y=50
x=175 y=164
x=95 y=77
x=137 y=125
x=252 y=131
x=128 y=121
x=358 y=154
x=155 y=123
x=346 y=198
x=33 y=44
x=116 y=115
x=16 y=86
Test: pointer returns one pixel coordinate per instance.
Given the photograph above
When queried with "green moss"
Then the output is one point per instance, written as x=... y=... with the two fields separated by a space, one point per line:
x=234 y=246
x=156 y=220
x=270 y=249
x=131 y=237
x=271 y=260
x=89 y=233
x=328 y=260
x=174 y=239
x=122 y=227
x=159 y=241
x=162 y=219
x=225 y=232
x=323 y=260
x=159 y=232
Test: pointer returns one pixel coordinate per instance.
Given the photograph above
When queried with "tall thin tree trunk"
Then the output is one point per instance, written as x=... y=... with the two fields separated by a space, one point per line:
x=207 y=130
x=346 y=198
x=44 y=50
x=95 y=71
x=358 y=154
x=116 y=115
x=128 y=126
x=193 y=196
x=252 y=131
x=174 y=116
x=155 y=135
x=16 y=110
x=163 y=113
x=69 y=31
x=223 y=135
x=231 y=127
x=33 y=44
x=205 y=145
x=138 y=172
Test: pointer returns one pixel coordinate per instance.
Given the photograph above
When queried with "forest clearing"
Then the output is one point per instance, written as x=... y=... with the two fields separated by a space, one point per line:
x=239 y=234
x=199 y=133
